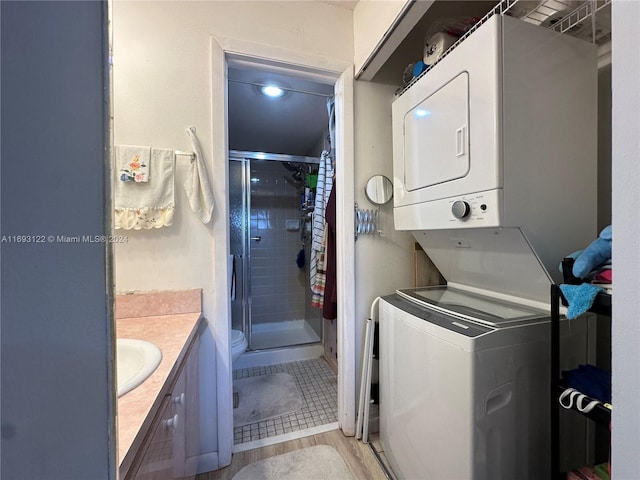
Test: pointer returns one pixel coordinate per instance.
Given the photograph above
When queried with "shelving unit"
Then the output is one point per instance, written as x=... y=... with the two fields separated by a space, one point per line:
x=600 y=414
x=589 y=20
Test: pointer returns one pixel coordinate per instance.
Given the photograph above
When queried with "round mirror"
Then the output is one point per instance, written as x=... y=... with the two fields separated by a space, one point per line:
x=379 y=190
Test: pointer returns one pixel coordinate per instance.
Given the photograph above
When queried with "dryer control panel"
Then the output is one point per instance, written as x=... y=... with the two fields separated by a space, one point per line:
x=477 y=210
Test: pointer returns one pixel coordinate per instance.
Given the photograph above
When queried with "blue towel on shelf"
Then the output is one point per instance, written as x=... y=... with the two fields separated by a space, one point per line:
x=590 y=380
x=580 y=297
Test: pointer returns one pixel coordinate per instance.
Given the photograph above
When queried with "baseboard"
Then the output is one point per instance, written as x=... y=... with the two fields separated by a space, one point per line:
x=308 y=432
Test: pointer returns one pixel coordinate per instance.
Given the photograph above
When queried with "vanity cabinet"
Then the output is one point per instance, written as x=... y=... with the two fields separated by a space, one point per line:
x=156 y=463
x=171 y=447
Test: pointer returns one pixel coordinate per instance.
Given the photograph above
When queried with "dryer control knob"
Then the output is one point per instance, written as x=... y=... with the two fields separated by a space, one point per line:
x=460 y=209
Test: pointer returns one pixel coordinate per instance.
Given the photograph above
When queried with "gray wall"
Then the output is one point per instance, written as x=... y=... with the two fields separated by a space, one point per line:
x=626 y=245
x=57 y=400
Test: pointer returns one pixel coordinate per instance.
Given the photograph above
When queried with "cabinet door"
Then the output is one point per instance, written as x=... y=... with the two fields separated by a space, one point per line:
x=186 y=401
x=192 y=419
x=157 y=462
x=178 y=403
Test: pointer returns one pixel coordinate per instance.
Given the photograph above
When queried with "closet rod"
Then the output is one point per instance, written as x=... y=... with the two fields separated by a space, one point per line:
x=326 y=95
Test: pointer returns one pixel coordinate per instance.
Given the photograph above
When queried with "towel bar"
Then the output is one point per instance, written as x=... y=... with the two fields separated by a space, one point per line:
x=184 y=152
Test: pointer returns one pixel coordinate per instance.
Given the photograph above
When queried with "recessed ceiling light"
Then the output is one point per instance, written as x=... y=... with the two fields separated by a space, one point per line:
x=272 y=91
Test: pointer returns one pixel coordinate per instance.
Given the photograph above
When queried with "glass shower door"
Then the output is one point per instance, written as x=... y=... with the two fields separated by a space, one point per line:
x=269 y=245
x=238 y=249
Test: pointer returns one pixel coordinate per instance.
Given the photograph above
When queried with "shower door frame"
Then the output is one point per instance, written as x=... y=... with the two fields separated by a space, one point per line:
x=246 y=157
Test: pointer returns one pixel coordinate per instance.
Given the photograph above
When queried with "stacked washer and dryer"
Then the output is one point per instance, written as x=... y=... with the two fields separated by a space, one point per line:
x=494 y=156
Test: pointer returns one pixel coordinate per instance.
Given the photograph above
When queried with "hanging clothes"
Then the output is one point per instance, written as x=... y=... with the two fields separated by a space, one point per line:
x=330 y=304
x=316 y=266
x=320 y=235
x=323 y=190
x=320 y=275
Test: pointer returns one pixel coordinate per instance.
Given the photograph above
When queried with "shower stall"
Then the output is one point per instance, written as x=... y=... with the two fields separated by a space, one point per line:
x=270 y=203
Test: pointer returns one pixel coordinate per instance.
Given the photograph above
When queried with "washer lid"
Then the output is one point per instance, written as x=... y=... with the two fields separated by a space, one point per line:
x=498 y=260
x=477 y=308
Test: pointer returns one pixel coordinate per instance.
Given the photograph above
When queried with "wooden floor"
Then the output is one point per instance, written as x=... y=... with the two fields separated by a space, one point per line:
x=361 y=461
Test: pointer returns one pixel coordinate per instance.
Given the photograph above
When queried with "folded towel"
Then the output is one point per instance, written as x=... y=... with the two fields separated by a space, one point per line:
x=590 y=380
x=580 y=297
x=196 y=185
x=604 y=276
x=584 y=473
x=133 y=162
x=147 y=205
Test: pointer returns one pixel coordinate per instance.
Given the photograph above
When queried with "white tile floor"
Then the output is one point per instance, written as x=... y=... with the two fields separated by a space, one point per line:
x=318 y=385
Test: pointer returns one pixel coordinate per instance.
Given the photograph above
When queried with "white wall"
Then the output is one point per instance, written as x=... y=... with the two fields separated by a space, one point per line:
x=383 y=263
x=626 y=243
x=371 y=21
x=162 y=83
x=57 y=392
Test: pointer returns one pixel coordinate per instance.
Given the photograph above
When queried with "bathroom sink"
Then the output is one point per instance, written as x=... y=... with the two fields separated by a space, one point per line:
x=136 y=360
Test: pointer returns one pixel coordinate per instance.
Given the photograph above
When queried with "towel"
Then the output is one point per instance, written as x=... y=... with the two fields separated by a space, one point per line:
x=300 y=259
x=323 y=189
x=586 y=473
x=317 y=289
x=196 y=185
x=590 y=380
x=580 y=297
x=133 y=162
x=147 y=205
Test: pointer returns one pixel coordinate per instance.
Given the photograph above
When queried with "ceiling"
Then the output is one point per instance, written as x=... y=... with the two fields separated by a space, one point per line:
x=293 y=124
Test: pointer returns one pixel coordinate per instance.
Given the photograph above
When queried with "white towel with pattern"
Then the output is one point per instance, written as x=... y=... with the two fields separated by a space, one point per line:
x=147 y=205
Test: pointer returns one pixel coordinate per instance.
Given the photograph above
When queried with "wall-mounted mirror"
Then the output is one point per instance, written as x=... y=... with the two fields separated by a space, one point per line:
x=379 y=190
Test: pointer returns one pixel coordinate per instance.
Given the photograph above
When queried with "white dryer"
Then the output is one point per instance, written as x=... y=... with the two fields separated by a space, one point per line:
x=502 y=133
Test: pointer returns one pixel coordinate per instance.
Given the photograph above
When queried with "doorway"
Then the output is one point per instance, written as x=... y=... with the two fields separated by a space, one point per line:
x=226 y=52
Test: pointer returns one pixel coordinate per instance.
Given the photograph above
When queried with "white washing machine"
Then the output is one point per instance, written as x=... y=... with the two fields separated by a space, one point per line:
x=464 y=386
x=465 y=367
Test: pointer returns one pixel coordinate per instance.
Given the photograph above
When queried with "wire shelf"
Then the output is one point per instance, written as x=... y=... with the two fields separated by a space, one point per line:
x=563 y=16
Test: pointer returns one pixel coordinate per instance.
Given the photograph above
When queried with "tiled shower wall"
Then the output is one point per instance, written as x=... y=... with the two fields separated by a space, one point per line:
x=278 y=285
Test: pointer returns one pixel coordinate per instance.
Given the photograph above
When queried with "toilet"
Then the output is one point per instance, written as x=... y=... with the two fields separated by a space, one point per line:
x=238 y=345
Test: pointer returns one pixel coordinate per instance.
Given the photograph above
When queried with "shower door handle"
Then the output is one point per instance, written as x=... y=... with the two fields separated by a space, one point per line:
x=257 y=239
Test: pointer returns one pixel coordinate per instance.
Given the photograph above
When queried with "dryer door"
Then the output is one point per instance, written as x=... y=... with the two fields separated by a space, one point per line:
x=436 y=136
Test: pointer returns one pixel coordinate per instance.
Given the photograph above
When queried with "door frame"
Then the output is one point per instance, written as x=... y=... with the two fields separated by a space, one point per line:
x=312 y=67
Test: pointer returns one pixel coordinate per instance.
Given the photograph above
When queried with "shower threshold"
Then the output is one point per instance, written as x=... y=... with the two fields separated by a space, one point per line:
x=282 y=334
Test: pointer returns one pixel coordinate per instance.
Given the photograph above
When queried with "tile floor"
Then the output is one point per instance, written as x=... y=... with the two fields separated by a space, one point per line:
x=318 y=385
